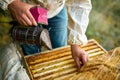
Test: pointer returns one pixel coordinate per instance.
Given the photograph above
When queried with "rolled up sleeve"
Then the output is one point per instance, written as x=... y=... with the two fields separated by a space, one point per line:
x=78 y=15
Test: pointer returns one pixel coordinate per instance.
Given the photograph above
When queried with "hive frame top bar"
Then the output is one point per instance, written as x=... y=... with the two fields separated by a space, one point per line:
x=68 y=46
x=45 y=53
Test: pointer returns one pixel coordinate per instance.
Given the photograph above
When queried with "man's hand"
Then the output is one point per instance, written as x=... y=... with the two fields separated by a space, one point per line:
x=79 y=55
x=21 y=13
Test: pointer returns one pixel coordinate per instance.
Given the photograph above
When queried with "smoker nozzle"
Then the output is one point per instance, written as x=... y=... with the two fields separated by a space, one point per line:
x=45 y=39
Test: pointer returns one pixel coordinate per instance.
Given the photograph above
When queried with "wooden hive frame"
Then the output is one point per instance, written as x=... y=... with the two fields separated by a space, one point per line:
x=58 y=63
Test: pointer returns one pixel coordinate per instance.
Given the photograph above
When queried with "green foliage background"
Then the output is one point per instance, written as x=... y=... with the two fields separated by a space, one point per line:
x=104 y=25
x=4 y=28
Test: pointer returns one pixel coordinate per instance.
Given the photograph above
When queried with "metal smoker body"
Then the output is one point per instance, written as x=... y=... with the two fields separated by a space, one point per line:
x=33 y=35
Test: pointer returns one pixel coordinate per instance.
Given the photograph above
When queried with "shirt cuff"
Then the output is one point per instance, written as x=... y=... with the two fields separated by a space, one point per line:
x=4 y=4
x=76 y=38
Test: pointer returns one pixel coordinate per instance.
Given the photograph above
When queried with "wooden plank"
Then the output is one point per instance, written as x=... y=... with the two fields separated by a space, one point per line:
x=58 y=63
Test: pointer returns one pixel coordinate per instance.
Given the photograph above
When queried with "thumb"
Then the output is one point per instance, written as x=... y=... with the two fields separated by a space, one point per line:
x=32 y=5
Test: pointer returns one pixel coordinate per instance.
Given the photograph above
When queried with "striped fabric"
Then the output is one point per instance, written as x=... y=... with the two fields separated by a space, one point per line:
x=11 y=67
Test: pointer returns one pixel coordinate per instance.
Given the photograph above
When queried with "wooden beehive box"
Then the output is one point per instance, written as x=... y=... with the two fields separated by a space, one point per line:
x=58 y=63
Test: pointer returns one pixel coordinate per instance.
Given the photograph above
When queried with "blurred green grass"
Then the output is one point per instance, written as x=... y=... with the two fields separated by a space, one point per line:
x=104 y=25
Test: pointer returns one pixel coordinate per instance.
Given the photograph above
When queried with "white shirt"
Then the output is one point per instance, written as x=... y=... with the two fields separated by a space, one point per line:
x=78 y=16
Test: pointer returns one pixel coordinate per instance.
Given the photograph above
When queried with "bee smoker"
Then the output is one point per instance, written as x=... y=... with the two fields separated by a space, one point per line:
x=33 y=35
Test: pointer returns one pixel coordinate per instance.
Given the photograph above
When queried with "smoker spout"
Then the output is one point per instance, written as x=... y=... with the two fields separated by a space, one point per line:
x=45 y=39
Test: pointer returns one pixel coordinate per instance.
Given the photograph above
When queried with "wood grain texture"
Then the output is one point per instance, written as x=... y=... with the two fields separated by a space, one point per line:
x=58 y=64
